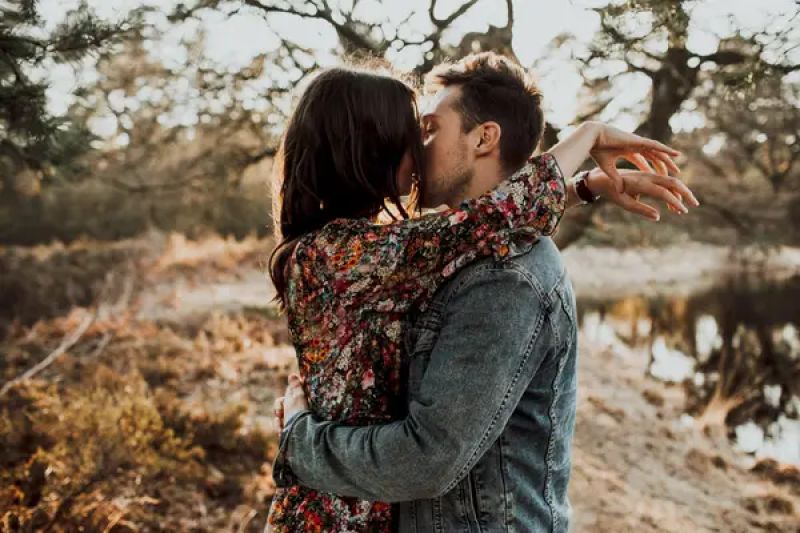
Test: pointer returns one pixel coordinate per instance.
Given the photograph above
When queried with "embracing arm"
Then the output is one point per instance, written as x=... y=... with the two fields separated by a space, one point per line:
x=366 y=264
x=573 y=151
x=486 y=354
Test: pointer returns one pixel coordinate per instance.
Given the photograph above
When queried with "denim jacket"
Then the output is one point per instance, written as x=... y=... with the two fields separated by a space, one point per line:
x=486 y=443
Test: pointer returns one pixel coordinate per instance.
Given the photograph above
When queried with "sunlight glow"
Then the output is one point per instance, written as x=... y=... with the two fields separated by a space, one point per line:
x=232 y=41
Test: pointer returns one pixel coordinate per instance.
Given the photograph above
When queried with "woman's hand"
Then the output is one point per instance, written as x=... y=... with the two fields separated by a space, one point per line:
x=671 y=190
x=606 y=145
x=612 y=144
x=293 y=402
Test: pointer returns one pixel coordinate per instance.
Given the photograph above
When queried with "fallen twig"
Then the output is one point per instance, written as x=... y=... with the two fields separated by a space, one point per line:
x=68 y=342
x=101 y=345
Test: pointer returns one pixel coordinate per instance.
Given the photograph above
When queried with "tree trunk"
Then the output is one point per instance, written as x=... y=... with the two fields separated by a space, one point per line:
x=672 y=85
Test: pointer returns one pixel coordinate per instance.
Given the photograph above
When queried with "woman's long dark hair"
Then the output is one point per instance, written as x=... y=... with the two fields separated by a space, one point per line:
x=339 y=156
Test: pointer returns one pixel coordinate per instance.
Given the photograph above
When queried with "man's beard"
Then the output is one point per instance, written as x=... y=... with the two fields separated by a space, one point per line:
x=451 y=187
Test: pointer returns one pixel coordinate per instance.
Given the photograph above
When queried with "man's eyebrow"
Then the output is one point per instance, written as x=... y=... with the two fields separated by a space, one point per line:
x=429 y=115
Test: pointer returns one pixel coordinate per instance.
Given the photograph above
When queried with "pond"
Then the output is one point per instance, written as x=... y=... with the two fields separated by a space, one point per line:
x=734 y=345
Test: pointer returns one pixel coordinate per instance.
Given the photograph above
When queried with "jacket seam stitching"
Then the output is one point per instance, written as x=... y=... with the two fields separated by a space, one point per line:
x=493 y=421
x=553 y=416
x=506 y=500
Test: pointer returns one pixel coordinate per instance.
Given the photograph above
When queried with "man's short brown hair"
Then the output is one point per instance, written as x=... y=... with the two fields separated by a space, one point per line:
x=495 y=88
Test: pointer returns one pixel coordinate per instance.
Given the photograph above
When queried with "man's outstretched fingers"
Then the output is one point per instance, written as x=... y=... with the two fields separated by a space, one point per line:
x=679 y=188
x=640 y=208
x=616 y=179
x=654 y=190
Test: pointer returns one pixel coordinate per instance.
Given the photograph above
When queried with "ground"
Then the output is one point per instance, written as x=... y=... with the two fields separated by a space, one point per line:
x=195 y=348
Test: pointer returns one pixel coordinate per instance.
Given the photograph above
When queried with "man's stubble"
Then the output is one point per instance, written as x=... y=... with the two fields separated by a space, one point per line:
x=451 y=186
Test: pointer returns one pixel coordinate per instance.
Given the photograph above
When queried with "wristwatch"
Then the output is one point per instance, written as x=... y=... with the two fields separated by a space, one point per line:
x=583 y=189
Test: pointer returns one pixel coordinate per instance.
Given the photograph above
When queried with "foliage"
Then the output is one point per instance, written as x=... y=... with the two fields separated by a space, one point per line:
x=85 y=439
x=34 y=145
x=138 y=426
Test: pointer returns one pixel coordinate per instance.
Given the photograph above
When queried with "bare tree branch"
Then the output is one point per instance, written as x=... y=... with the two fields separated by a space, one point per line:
x=510 y=11
x=447 y=21
x=346 y=30
x=723 y=57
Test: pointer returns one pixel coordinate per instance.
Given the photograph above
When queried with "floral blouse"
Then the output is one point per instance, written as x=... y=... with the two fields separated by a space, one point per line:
x=352 y=289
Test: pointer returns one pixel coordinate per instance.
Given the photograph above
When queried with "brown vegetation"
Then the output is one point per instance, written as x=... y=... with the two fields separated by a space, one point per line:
x=132 y=429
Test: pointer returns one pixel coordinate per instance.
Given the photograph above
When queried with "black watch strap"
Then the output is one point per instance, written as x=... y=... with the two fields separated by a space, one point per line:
x=582 y=189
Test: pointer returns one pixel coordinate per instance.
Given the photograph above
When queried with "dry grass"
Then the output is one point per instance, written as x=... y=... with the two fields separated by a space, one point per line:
x=140 y=426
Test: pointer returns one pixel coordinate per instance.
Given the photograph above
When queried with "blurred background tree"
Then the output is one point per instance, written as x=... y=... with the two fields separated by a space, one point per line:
x=192 y=141
x=34 y=144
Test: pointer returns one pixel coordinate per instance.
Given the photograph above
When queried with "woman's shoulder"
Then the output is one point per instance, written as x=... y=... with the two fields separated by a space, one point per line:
x=318 y=245
x=320 y=254
x=341 y=230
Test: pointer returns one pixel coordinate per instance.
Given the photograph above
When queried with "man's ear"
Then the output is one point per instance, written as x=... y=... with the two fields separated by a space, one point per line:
x=488 y=138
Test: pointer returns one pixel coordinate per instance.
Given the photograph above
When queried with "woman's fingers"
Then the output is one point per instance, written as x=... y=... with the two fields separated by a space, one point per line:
x=652 y=144
x=661 y=168
x=670 y=167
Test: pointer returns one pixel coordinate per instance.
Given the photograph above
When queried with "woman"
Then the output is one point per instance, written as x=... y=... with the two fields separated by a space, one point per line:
x=349 y=283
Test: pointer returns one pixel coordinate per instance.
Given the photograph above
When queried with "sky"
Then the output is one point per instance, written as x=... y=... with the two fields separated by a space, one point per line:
x=232 y=42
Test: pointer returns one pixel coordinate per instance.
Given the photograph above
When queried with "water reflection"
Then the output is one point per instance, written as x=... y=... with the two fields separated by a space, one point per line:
x=735 y=347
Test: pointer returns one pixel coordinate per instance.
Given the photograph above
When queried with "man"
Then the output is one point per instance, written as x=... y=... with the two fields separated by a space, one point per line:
x=485 y=444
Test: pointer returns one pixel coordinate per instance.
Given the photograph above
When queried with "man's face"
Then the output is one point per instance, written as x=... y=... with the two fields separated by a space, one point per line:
x=449 y=165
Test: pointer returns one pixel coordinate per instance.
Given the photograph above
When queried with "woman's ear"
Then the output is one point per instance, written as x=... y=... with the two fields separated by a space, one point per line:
x=488 y=138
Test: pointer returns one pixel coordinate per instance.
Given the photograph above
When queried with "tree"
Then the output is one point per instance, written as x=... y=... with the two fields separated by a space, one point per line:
x=749 y=155
x=35 y=145
x=657 y=46
x=647 y=37
x=211 y=153
x=361 y=34
x=636 y=38
x=754 y=353
x=651 y=38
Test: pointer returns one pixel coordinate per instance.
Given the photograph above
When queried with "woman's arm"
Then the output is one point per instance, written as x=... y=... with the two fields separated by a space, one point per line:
x=573 y=151
x=392 y=267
